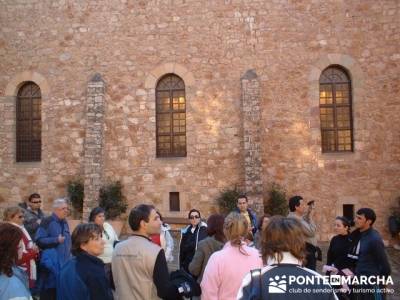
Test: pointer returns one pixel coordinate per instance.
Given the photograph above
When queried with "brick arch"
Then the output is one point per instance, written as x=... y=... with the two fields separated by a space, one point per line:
x=350 y=64
x=18 y=80
x=155 y=74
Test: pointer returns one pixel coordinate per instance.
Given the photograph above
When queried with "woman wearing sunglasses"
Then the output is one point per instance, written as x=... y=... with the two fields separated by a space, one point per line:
x=190 y=237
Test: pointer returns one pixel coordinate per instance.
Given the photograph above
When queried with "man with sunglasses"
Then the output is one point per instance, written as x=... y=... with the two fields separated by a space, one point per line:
x=33 y=214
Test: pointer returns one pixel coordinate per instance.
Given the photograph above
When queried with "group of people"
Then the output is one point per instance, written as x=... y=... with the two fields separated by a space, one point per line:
x=45 y=249
x=226 y=257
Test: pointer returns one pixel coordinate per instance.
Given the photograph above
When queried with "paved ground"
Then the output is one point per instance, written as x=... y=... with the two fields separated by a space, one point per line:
x=394 y=258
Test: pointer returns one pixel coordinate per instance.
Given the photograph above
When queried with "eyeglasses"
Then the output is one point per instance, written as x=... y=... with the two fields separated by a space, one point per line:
x=36 y=202
x=21 y=217
x=194 y=217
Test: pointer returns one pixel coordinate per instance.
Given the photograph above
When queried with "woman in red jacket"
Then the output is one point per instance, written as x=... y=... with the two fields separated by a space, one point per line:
x=15 y=215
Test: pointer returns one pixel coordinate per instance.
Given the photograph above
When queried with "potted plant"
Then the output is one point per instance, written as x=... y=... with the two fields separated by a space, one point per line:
x=114 y=203
x=227 y=199
x=276 y=202
x=75 y=191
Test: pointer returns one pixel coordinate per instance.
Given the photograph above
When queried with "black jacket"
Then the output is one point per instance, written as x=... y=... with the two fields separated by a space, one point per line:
x=339 y=248
x=372 y=259
x=189 y=242
x=283 y=281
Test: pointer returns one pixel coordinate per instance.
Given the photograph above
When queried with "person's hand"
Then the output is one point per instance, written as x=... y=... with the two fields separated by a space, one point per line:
x=61 y=239
x=330 y=269
x=312 y=211
x=35 y=248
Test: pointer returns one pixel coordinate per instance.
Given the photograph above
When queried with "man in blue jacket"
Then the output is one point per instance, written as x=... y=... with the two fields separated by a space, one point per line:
x=53 y=236
x=372 y=258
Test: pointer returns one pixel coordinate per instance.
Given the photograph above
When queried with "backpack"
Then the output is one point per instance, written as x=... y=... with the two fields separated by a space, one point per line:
x=181 y=278
x=256 y=285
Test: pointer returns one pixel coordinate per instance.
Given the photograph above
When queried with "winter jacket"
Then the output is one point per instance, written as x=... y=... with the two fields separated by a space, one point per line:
x=253 y=218
x=83 y=278
x=14 y=287
x=189 y=242
x=167 y=242
x=49 y=268
x=47 y=237
x=109 y=236
x=225 y=271
x=286 y=280
x=31 y=220
x=54 y=254
x=372 y=258
x=69 y=284
x=204 y=250
x=339 y=247
x=28 y=260
x=354 y=249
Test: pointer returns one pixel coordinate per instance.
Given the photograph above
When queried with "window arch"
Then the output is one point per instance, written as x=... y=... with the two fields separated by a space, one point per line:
x=29 y=123
x=335 y=104
x=171 y=116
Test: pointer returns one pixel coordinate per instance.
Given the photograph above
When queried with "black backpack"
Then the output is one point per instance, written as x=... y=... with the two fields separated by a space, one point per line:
x=256 y=285
x=182 y=279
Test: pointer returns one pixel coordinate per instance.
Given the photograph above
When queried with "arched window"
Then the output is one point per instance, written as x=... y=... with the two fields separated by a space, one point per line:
x=29 y=123
x=171 y=116
x=335 y=105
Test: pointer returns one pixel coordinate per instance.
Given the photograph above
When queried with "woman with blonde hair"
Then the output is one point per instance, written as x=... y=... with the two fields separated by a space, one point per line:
x=226 y=268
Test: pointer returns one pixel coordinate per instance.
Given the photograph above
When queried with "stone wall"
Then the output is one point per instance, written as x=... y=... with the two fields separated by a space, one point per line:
x=210 y=44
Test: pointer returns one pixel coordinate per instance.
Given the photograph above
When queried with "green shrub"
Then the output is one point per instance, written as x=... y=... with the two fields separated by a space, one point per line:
x=276 y=203
x=227 y=199
x=75 y=191
x=112 y=200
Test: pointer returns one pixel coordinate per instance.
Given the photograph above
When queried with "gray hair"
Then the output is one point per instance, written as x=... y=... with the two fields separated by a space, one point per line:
x=59 y=202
